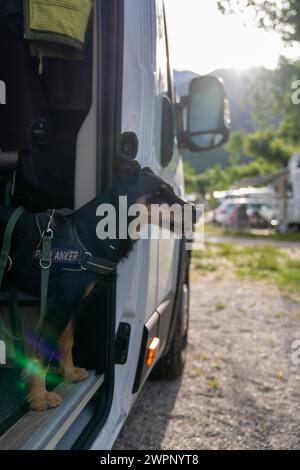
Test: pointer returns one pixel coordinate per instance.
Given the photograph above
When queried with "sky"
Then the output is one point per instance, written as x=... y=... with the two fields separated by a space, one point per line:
x=203 y=40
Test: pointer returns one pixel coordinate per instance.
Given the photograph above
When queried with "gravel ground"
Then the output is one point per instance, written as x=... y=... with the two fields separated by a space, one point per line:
x=239 y=389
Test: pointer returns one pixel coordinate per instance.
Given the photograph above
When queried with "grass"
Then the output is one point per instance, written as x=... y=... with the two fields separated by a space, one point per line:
x=214 y=384
x=216 y=366
x=220 y=306
x=269 y=263
x=217 y=231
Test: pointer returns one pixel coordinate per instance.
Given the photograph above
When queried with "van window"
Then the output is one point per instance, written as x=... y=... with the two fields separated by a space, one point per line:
x=167 y=94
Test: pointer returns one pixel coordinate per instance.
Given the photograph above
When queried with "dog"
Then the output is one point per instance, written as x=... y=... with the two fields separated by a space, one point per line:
x=75 y=271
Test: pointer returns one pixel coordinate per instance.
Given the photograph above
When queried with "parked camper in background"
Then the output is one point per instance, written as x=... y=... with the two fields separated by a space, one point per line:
x=282 y=193
x=293 y=194
x=265 y=195
x=259 y=215
x=222 y=212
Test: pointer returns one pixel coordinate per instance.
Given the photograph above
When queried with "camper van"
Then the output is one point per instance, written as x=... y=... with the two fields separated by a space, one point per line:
x=70 y=114
x=293 y=194
x=264 y=195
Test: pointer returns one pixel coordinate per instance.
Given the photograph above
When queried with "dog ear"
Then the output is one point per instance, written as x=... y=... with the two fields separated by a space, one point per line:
x=126 y=168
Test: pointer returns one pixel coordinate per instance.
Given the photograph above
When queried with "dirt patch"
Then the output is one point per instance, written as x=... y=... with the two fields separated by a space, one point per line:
x=239 y=389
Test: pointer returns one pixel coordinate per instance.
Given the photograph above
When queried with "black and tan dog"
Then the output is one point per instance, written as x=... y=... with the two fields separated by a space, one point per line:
x=79 y=261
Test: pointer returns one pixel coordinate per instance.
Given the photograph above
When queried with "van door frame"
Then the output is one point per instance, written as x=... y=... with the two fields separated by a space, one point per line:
x=110 y=15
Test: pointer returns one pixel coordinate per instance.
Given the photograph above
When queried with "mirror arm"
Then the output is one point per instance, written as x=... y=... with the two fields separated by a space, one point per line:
x=210 y=131
x=183 y=140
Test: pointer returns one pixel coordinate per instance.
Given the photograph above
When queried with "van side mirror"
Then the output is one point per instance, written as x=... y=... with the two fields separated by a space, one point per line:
x=207 y=115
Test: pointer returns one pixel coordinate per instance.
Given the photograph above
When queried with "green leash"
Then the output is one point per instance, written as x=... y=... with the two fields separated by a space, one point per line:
x=45 y=264
x=6 y=263
x=7 y=196
x=4 y=257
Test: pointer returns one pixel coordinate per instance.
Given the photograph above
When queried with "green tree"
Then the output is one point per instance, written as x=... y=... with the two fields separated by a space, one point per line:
x=271 y=99
x=217 y=178
x=274 y=114
x=279 y=15
x=235 y=146
x=268 y=144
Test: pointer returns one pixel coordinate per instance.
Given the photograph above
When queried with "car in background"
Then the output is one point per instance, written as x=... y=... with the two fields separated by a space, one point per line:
x=223 y=211
x=251 y=215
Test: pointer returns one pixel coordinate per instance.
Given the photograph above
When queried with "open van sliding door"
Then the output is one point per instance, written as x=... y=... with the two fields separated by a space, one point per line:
x=108 y=112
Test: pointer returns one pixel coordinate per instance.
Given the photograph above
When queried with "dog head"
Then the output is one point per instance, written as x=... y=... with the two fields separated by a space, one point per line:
x=143 y=186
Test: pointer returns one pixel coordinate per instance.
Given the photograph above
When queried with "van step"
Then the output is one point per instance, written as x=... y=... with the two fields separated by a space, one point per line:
x=12 y=398
x=44 y=430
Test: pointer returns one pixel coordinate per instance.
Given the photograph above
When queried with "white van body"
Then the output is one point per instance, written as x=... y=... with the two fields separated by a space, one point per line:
x=151 y=272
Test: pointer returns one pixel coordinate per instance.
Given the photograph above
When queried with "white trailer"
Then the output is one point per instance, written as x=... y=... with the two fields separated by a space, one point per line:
x=293 y=193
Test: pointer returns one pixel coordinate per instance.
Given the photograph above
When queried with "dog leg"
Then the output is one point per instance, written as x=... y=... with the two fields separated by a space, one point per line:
x=39 y=398
x=68 y=370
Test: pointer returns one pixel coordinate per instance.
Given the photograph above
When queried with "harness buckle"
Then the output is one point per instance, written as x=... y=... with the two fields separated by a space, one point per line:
x=45 y=265
x=48 y=233
x=50 y=223
x=10 y=263
x=86 y=257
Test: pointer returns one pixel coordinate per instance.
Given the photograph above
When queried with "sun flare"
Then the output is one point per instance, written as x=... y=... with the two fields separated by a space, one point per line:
x=204 y=40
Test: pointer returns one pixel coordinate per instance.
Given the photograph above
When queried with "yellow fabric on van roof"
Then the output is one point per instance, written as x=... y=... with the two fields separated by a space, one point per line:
x=60 y=21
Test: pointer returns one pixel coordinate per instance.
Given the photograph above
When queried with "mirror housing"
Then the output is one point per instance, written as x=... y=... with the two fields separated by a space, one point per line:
x=205 y=115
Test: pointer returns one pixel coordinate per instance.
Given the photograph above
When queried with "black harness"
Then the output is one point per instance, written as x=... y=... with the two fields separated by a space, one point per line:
x=60 y=247
x=67 y=250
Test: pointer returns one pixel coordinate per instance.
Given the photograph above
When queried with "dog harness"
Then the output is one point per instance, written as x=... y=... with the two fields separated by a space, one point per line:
x=67 y=250
x=60 y=247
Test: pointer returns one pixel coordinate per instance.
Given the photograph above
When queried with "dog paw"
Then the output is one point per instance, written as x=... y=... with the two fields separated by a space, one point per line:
x=75 y=374
x=46 y=401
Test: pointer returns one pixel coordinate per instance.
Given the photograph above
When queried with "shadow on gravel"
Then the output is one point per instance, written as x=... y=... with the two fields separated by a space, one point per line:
x=148 y=421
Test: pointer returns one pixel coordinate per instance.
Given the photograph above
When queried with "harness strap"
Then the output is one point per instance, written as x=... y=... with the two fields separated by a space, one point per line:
x=4 y=257
x=45 y=264
x=98 y=265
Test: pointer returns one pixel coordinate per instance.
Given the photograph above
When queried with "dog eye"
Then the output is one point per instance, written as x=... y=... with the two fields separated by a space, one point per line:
x=157 y=194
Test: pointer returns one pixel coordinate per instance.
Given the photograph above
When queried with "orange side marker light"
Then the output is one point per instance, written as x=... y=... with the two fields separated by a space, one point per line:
x=152 y=351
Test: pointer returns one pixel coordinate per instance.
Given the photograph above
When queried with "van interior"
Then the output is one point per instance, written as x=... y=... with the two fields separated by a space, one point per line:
x=48 y=134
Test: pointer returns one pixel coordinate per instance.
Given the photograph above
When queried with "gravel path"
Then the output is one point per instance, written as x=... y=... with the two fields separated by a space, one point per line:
x=239 y=390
